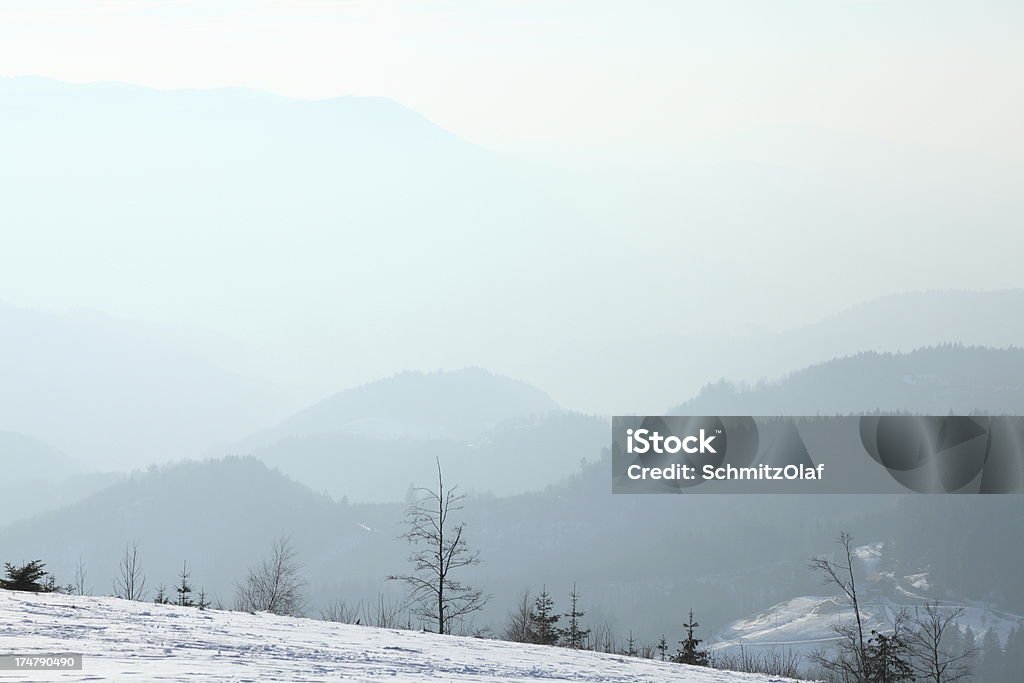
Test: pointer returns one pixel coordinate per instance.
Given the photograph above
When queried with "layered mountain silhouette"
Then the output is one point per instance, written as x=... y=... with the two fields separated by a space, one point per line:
x=932 y=381
x=218 y=514
x=116 y=393
x=25 y=458
x=222 y=515
x=340 y=239
x=372 y=442
x=362 y=238
x=36 y=477
x=898 y=323
x=461 y=404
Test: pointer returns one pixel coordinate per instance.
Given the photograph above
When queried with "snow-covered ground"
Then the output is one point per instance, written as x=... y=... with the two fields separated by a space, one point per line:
x=137 y=641
x=805 y=623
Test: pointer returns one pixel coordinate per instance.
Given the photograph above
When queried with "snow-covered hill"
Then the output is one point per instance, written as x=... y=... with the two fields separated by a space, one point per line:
x=804 y=623
x=122 y=640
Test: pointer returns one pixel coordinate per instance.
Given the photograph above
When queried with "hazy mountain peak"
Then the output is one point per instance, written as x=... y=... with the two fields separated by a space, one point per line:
x=113 y=392
x=25 y=457
x=442 y=404
x=932 y=380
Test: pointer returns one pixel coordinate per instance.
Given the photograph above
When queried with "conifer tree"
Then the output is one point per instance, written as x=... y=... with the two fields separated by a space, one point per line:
x=691 y=652
x=545 y=621
x=161 y=596
x=970 y=641
x=574 y=636
x=991 y=666
x=1013 y=655
x=886 y=659
x=29 y=577
x=630 y=646
x=184 y=588
x=202 y=602
x=662 y=648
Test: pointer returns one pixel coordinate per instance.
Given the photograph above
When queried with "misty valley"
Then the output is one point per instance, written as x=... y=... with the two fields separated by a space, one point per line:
x=637 y=564
x=313 y=364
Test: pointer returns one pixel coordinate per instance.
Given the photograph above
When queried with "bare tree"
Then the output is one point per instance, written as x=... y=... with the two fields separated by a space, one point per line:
x=518 y=625
x=274 y=585
x=383 y=612
x=130 y=583
x=928 y=642
x=603 y=639
x=849 y=658
x=80 y=574
x=341 y=612
x=442 y=551
x=774 y=662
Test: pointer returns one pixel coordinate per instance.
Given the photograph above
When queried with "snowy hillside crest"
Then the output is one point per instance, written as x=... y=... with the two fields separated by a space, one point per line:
x=122 y=639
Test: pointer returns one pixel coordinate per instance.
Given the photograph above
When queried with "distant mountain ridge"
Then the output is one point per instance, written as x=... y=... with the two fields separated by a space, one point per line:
x=460 y=404
x=369 y=443
x=25 y=457
x=934 y=380
x=35 y=477
x=214 y=513
x=517 y=455
x=900 y=322
x=362 y=238
x=221 y=512
x=912 y=320
x=117 y=393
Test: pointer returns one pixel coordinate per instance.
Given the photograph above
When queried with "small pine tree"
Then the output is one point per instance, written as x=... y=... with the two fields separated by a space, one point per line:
x=690 y=652
x=991 y=665
x=161 y=596
x=663 y=648
x=970 y=642
x=29 y=577
x=573 y=636
x=202 y=602
x=630 y=646
x=544 y=627
x=886 y=659
x=1013 y=656
x=184 y=588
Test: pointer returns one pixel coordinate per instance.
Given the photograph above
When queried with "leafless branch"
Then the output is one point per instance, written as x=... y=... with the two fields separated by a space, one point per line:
x=440 y=550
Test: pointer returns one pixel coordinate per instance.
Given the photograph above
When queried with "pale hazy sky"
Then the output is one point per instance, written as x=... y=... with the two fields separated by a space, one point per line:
x=755 y=164
x=570 y=79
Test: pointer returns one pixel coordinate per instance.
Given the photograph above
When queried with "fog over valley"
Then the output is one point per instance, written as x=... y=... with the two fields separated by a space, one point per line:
x=327 y=331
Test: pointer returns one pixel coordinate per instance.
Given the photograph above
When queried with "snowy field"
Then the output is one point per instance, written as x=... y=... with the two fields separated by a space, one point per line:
x=805 y=623
x=138 y=641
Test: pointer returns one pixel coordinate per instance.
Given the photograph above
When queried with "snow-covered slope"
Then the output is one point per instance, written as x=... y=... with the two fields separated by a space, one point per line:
x=805 y=623
x=122 y=640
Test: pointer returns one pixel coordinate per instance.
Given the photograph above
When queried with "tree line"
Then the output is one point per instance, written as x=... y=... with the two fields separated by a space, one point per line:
x=926 y=644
